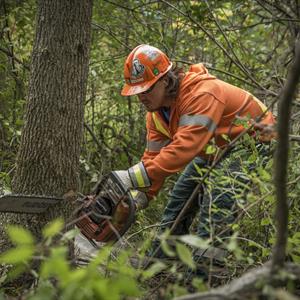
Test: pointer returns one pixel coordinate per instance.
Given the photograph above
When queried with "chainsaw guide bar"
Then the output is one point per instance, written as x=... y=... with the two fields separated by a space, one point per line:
x=31 y=204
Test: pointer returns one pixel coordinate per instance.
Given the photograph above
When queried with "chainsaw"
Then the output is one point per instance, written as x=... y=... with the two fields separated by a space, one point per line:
x=108 y=213
x=103 y=216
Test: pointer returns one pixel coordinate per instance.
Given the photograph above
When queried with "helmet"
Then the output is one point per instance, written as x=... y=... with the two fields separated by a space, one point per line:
x=143 y=67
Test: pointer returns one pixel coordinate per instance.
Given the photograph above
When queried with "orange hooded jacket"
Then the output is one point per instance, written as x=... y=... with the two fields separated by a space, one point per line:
x=204 y=109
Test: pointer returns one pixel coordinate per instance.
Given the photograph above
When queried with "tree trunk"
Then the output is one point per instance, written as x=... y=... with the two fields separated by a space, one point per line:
x=48 y=158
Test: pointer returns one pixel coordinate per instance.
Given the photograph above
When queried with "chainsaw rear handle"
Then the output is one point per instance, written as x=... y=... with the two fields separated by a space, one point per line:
x=131 y=215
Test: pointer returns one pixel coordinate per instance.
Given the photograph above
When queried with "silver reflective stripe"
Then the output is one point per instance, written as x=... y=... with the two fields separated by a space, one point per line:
x=155 y=146
x=139 y=176
x=201 y=120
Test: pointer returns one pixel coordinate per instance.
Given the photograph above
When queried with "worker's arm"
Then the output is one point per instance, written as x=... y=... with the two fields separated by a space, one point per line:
x=199 y=118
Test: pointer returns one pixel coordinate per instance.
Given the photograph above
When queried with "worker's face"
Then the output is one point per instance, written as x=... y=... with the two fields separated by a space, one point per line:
x=154 y=98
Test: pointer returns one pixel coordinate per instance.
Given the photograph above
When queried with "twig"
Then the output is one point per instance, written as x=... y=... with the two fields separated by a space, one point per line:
x=9 y=54
x=210 y=35
x=112 y=34
x=145 y=228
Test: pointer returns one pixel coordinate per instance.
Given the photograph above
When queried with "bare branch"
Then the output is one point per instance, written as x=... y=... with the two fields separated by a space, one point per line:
x=224 y=50
x=281 y=159
x=9 y=54
x=112 y=34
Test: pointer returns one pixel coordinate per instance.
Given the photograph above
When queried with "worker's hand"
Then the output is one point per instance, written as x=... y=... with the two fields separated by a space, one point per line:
x=140 y=199
x=135 y=177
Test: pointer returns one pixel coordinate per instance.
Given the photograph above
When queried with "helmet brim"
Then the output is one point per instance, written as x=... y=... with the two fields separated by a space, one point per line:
x=130 y=90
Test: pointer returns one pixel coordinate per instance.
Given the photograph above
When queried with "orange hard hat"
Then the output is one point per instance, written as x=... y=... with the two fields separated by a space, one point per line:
x=143 y=67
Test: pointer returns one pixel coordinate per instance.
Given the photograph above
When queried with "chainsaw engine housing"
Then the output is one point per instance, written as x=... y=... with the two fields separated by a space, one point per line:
x=108 y=213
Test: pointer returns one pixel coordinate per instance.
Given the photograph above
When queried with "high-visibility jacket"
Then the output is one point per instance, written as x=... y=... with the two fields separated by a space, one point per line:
x=205 y=108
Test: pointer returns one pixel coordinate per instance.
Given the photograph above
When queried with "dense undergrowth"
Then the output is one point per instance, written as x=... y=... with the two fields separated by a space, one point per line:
x=258 y=42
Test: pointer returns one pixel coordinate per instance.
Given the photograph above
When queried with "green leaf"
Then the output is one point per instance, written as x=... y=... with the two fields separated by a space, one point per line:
x=199 y=284
x=20 y=235
x=225 y=137
x=16 y=271
x=154 y=269
x=265 y=221
x=265 y=252
x=78 y=275
x=69 y=235
x=58 y=268
x=210 y=149
x=17 y=255
x=166 y=248
x=179 y=290
x=53 y=228
x=194 y=241
x=185 y=255
x=264 y=174
x=296 y=258
x=296 y=235
x=44 y=291
x=126 y=286
x=252 y=158
x=255 y=244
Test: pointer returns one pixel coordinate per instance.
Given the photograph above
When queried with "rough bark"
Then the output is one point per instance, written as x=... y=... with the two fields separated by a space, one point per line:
x=48 y=157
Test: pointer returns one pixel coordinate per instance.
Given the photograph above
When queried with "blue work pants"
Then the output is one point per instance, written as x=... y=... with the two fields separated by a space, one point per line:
x=216 y=200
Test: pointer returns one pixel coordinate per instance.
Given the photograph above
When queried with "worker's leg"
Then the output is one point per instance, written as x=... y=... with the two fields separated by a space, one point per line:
x=229 y=182
x=218 y=205
x=181 y=192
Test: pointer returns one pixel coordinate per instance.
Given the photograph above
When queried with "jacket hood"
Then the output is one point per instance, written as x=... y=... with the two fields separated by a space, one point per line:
x=195 y=74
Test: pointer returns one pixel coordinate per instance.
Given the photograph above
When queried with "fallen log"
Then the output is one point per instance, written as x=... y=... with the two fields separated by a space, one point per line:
x=251 y=283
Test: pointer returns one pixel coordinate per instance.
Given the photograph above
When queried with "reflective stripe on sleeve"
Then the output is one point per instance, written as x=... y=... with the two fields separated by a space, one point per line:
x=155 y=146
x=139 y=176
x=200 y=120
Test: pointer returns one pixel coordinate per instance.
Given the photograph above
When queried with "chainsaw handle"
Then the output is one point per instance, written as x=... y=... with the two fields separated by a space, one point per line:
x=131 y=215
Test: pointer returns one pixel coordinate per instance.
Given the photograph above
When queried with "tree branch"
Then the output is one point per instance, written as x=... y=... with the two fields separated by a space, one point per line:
x=281 y=160
x=15 y=58
x=224 y=50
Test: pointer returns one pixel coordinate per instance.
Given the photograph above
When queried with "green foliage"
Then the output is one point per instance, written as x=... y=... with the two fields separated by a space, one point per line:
x=53 y=228
x=185 y=255
x=59 y=278
x=16 y=38
x=24 y=250
x=258 y=45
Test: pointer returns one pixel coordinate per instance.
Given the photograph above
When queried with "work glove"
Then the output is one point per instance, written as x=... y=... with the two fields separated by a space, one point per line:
x=140 y=199
x=137 y=180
